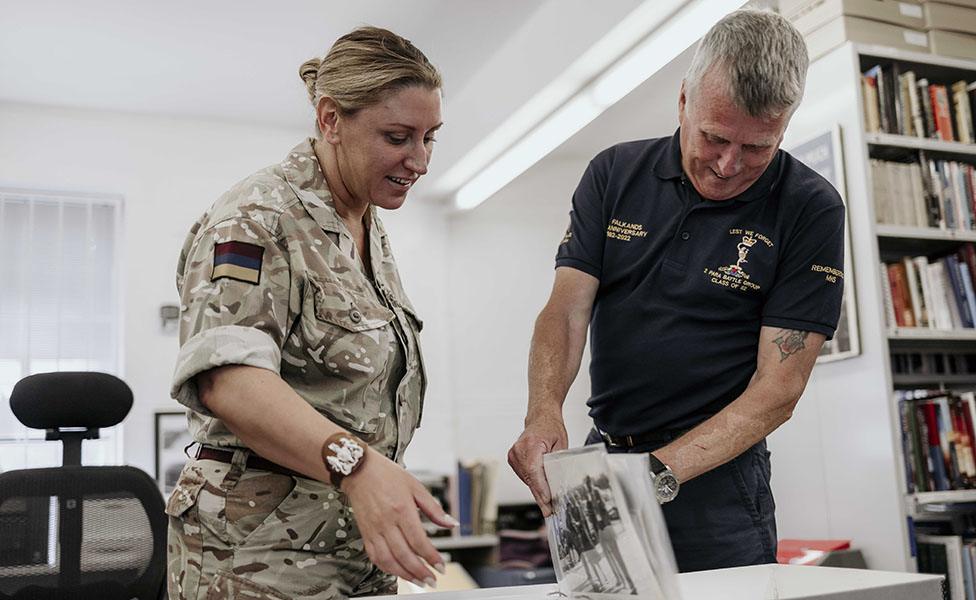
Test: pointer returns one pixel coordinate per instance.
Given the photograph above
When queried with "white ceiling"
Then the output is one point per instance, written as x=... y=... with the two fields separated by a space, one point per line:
x=238 y=59
x=231 y=59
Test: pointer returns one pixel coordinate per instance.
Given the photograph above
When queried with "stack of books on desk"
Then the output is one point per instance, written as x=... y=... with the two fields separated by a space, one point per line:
x=607 y=534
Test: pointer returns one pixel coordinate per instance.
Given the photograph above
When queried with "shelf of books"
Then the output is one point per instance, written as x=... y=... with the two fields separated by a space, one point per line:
x=921 y=151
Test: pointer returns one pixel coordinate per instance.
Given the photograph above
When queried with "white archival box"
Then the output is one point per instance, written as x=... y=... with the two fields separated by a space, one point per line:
x=760 y=582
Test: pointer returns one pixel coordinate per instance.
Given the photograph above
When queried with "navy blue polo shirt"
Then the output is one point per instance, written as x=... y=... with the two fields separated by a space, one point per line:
x=686 y=283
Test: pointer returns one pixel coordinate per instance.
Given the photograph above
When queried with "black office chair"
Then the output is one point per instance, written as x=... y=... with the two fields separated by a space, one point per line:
x=75 y=532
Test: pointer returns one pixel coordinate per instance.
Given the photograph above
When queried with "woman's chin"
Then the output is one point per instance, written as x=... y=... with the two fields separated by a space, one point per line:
x=390 y=201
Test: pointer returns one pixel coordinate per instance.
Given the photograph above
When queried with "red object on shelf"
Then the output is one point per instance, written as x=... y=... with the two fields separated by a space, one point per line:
x=807 y=552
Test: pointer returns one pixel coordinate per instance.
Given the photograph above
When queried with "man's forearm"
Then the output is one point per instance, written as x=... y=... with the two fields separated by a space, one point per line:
x=554 y=361
x=740 y=425
x=786 y=358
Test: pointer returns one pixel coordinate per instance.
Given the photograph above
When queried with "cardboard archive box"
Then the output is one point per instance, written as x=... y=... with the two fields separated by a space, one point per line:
x=969 y=3
x=864 y=31
x=809 y=16
x=949 y=17
x=950 y=43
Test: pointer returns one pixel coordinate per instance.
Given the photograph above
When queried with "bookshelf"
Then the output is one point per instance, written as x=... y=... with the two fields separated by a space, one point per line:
x=950 y=228
x=838 y=464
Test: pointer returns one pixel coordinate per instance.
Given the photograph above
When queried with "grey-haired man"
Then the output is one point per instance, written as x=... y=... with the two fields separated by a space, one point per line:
x=708 y=270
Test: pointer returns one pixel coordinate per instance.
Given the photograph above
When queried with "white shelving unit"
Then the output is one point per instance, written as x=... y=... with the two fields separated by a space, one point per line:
x=838 y=468
x=915 y=143
x=925 y=333
x=924 y=233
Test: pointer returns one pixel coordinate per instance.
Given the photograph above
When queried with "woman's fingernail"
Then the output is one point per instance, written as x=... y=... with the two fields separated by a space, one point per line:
x=440 y=568
x=431 y=582
x=416 y=583
x=450 y=519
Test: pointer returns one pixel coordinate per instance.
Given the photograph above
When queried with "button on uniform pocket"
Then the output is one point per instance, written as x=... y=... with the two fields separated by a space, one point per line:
x=338 y=363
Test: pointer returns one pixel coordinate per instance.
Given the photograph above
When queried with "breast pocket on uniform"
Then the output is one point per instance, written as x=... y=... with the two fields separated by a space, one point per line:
x=348 y=342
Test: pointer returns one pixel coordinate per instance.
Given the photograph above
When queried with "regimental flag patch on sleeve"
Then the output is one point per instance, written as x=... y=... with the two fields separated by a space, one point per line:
x=237 y=260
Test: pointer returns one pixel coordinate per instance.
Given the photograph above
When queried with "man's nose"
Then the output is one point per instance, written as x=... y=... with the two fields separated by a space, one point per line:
x=730 y=161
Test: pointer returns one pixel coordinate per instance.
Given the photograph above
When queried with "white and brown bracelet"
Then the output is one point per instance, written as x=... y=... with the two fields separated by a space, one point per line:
x=343 y=454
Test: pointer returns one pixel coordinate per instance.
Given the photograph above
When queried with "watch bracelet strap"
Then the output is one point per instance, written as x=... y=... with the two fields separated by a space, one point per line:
x=656 y=465
x=335 y=477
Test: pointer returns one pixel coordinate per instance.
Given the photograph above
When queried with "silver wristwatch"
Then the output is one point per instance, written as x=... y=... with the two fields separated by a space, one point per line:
x=663 y=480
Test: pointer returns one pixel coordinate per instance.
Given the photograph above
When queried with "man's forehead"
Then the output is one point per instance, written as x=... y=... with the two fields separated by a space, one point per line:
x=718 y=116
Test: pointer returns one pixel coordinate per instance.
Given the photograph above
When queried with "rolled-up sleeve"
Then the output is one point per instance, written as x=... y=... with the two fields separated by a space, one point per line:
x=235 y=291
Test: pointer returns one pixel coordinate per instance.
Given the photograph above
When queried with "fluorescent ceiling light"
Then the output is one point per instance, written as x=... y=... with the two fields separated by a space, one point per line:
x=556 y=114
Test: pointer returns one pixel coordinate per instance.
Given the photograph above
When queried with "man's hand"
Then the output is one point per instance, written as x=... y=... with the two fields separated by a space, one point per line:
x=540 y=437
x=385 y=499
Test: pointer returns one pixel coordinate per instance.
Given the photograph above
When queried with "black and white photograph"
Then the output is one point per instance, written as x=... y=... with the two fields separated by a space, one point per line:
x=596 y=549
x=172 y=436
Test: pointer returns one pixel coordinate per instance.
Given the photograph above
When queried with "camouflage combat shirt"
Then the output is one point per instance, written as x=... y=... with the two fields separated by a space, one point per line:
x=269 y=278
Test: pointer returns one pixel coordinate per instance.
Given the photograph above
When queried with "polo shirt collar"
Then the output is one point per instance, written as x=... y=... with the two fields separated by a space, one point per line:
x=668 y=166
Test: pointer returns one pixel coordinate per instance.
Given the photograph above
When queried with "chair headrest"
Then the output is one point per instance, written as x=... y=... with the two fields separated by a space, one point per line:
x=70 y=399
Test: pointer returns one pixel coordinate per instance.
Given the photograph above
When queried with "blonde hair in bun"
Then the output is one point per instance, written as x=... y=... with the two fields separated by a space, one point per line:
x=363 y=66
x=309 y=72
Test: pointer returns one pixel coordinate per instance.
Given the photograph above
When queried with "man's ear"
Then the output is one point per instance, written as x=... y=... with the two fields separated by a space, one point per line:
x=682 y=101
x=328 y=115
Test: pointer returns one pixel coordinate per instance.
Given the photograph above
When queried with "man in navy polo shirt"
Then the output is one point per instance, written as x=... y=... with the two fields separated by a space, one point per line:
x=708 y=268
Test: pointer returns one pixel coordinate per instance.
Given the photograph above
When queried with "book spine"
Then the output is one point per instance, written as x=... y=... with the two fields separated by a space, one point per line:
x=936 y=457
x=958 y=292
x=890 y=319
x=927 y=113
x=918 y=442
x=942 y=111
x=922 y=274
x=963 y=112
x=908 y=450
x=915 y=105
x=872 y=119
x=915 y=293
x=923 y=436
x=900 y=293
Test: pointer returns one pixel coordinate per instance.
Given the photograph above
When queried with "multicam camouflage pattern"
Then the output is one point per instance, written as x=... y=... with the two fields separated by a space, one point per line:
x=348 y=345
x=238 y=533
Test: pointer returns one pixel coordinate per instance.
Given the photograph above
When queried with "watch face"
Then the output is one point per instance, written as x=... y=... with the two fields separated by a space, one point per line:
x=666 y=486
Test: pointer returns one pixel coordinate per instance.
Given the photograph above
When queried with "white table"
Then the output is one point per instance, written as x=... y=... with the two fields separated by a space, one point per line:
x=761 y=582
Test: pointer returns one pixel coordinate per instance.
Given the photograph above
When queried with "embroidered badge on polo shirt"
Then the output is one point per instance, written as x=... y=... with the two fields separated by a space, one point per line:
x=237 y=260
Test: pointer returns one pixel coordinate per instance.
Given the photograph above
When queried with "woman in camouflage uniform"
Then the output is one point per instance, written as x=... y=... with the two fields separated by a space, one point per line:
x=300 y=360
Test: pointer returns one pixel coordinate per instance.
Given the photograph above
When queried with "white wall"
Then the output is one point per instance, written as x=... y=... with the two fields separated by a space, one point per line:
x=168 y=172
x=501 y=270
x=836 y=471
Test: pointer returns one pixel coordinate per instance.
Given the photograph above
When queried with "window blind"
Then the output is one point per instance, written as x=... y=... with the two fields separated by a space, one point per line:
x=59 y=307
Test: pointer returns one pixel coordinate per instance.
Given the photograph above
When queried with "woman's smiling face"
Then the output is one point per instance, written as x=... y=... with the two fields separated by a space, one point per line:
x=383 y=149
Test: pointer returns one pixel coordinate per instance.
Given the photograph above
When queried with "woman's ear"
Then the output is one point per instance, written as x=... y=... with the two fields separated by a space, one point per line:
x=328 y=115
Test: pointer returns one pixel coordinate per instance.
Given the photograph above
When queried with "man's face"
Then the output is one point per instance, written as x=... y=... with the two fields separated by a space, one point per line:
x=724 y=150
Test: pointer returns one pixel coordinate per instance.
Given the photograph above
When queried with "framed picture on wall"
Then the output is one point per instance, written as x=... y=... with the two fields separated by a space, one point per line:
x=172 y=436
x=824 y=154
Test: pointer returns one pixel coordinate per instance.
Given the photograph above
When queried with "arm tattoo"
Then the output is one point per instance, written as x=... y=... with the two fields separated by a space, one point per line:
x=789 y=342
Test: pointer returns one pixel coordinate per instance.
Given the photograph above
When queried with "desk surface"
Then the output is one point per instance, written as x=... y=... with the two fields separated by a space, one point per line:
x=783 y=582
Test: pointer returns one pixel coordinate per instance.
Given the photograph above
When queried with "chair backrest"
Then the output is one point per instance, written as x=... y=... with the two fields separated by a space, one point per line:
x=74 y=531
